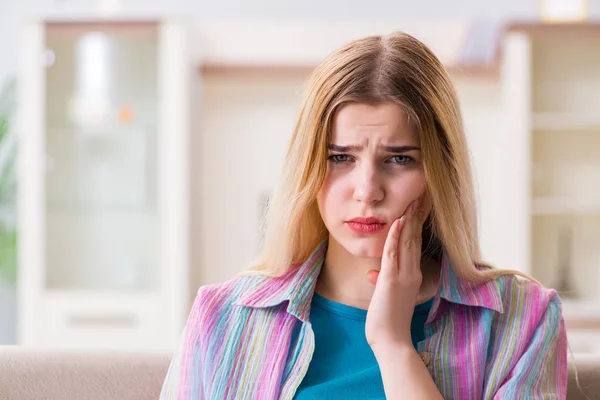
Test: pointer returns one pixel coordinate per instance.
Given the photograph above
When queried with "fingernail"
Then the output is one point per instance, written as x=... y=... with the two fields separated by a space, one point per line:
x=402 y=218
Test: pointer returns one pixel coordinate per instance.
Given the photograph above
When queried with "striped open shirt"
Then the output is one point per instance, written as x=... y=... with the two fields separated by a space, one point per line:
x=500 y=339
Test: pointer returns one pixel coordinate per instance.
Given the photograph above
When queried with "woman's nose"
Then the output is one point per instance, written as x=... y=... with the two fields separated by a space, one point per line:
x=367 y=188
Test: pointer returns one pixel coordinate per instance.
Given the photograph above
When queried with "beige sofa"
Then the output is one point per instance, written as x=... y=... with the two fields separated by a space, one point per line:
x=27 y=374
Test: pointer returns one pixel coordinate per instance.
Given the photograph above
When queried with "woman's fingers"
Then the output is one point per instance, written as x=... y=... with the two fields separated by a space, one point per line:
x=408 y=235
x=389 y=260
x=402 y=246
x=410 y=242
x=372 y=276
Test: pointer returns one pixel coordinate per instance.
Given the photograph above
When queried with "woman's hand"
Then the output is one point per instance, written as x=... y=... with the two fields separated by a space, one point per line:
x=398 y=282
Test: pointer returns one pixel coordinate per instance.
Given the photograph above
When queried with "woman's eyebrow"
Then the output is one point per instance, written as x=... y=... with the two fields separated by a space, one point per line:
x=390 y=149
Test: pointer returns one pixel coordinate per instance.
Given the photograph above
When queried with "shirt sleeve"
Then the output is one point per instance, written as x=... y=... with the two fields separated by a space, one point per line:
x=541 y=372
x=184 y=376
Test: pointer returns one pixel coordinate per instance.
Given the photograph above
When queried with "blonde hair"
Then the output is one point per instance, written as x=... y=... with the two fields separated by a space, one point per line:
x=394 y=68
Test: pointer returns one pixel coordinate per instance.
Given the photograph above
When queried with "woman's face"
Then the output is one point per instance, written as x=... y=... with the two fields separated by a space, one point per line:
x=374 y=169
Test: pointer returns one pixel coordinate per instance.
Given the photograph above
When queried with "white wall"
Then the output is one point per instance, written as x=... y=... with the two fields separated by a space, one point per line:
x=244 y=128
x=483 y=113
x=374 y=8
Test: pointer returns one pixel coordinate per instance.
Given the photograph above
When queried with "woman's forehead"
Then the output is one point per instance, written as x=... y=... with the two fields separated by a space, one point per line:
x=367 y=125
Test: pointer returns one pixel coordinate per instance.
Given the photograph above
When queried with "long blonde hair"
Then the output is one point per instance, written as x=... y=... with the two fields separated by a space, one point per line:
x=393 y=68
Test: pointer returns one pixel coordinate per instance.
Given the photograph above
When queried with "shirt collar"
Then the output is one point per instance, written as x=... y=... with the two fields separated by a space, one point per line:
x=456 y=290
x=298 y=284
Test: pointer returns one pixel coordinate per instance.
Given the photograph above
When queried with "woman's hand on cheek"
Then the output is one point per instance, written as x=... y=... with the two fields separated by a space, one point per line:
x=397 y=284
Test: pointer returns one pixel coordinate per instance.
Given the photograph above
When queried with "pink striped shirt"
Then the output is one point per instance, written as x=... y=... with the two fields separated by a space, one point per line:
x=501 y=339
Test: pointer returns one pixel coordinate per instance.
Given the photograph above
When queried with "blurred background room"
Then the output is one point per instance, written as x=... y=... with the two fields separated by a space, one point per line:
x=140 y=142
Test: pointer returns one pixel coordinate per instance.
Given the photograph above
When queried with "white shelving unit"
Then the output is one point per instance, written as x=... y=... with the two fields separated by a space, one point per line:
x=567 y=121
x=552 y=149
x=103 y=183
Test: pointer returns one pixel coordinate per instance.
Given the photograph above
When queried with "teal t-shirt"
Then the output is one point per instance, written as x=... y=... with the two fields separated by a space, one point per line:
x=343 y=365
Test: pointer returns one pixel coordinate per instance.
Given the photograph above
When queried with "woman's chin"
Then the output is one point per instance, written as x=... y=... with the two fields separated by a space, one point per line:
x=364 y=247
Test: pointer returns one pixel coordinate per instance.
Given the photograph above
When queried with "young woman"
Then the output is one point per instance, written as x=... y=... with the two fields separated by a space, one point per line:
x=371 y=285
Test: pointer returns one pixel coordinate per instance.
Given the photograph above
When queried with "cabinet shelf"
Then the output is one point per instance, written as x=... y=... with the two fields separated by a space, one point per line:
x=565 y=121
x=564 y=206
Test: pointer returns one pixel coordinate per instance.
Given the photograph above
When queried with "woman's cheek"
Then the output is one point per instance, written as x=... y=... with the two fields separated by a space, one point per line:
x=408 y=188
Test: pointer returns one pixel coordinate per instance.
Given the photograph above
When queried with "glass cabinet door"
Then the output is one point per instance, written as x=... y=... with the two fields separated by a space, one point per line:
x=101 y=103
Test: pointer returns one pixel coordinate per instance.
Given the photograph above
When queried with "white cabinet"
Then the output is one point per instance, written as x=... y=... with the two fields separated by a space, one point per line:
x=548 y=161
x=103 y=183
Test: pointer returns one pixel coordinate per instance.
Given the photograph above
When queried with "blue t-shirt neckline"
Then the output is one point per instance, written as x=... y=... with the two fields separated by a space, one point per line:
x=357 y=313
x=343 y=364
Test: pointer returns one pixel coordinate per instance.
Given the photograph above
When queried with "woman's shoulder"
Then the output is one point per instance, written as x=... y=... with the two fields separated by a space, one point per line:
x=526 y=301
x=221 y=296
x=530 y=323
x=516 y=287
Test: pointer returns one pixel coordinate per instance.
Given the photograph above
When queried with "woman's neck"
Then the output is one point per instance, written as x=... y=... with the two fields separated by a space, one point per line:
x=343 y=277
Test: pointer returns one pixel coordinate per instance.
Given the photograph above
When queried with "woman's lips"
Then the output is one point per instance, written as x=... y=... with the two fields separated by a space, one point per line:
x=359 y=227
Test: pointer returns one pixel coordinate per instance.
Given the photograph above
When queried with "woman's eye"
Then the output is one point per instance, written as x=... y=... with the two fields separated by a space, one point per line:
x=402 y=159
x=342 y=158
x=338 y=158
